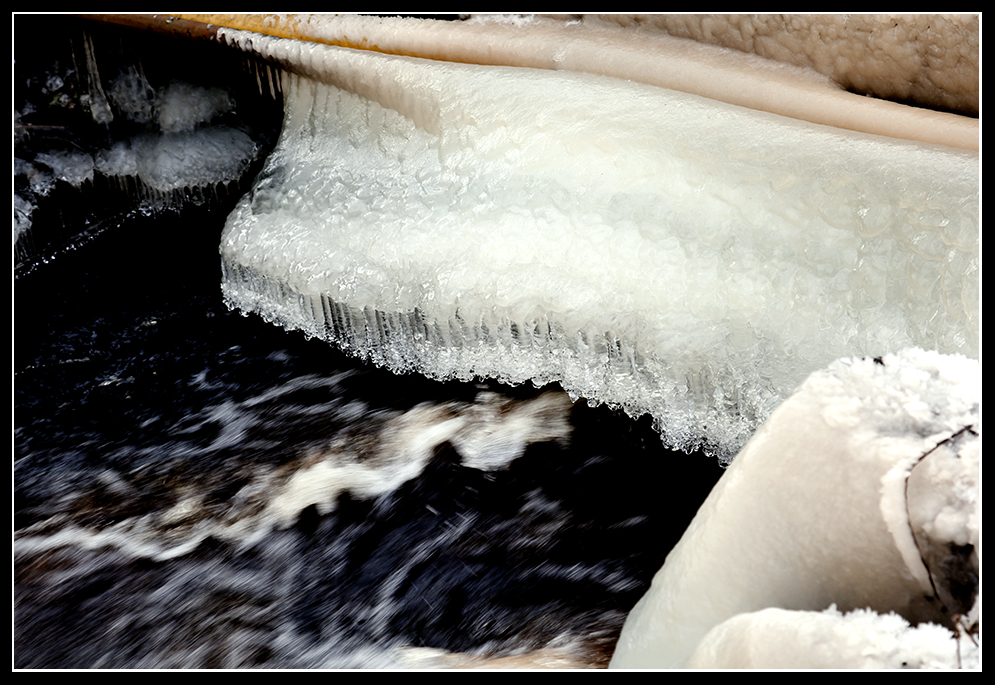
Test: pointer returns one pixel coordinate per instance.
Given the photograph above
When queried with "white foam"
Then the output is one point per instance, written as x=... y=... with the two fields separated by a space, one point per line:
x=387 y=449
x=646 y=248
x=488 y=434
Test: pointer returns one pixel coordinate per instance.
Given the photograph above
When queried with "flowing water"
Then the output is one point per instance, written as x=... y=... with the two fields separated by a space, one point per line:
x=195 y=488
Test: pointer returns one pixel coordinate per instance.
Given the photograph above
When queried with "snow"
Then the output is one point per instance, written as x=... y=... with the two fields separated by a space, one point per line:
x=778 y=638
x=838 y=530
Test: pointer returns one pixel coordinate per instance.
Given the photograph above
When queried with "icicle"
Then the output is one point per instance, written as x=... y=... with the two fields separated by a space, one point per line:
x=100 y=108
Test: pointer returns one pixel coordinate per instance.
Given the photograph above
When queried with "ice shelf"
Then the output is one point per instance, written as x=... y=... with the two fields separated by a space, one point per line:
x=648 y=249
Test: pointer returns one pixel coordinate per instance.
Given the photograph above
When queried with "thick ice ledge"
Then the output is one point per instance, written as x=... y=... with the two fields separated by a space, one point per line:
x=648 y=249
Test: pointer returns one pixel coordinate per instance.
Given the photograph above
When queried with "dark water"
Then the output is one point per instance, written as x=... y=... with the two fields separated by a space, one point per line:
x=157 y=434
x=194 y=488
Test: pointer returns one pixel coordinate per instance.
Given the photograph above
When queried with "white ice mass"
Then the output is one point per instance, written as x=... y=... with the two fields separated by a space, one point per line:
x=648 y=249
x=672 y=255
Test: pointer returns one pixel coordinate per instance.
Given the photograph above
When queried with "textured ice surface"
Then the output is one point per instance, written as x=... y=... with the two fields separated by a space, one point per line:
x=777 y=638
x=187 y=149
x=841 y=526
x=175 y=160
x=183 y=106
x=646 y=248
x=72 y=167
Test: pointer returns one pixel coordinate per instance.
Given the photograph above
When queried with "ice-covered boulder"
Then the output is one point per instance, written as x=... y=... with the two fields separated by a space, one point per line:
x=860 y=491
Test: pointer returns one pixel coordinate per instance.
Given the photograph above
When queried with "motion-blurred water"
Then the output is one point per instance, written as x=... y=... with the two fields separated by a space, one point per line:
x=194 y=488
x=177 y=502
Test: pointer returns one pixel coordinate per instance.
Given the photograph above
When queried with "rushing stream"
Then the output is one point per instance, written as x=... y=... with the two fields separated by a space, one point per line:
x=196 y=488
x=157 y=436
